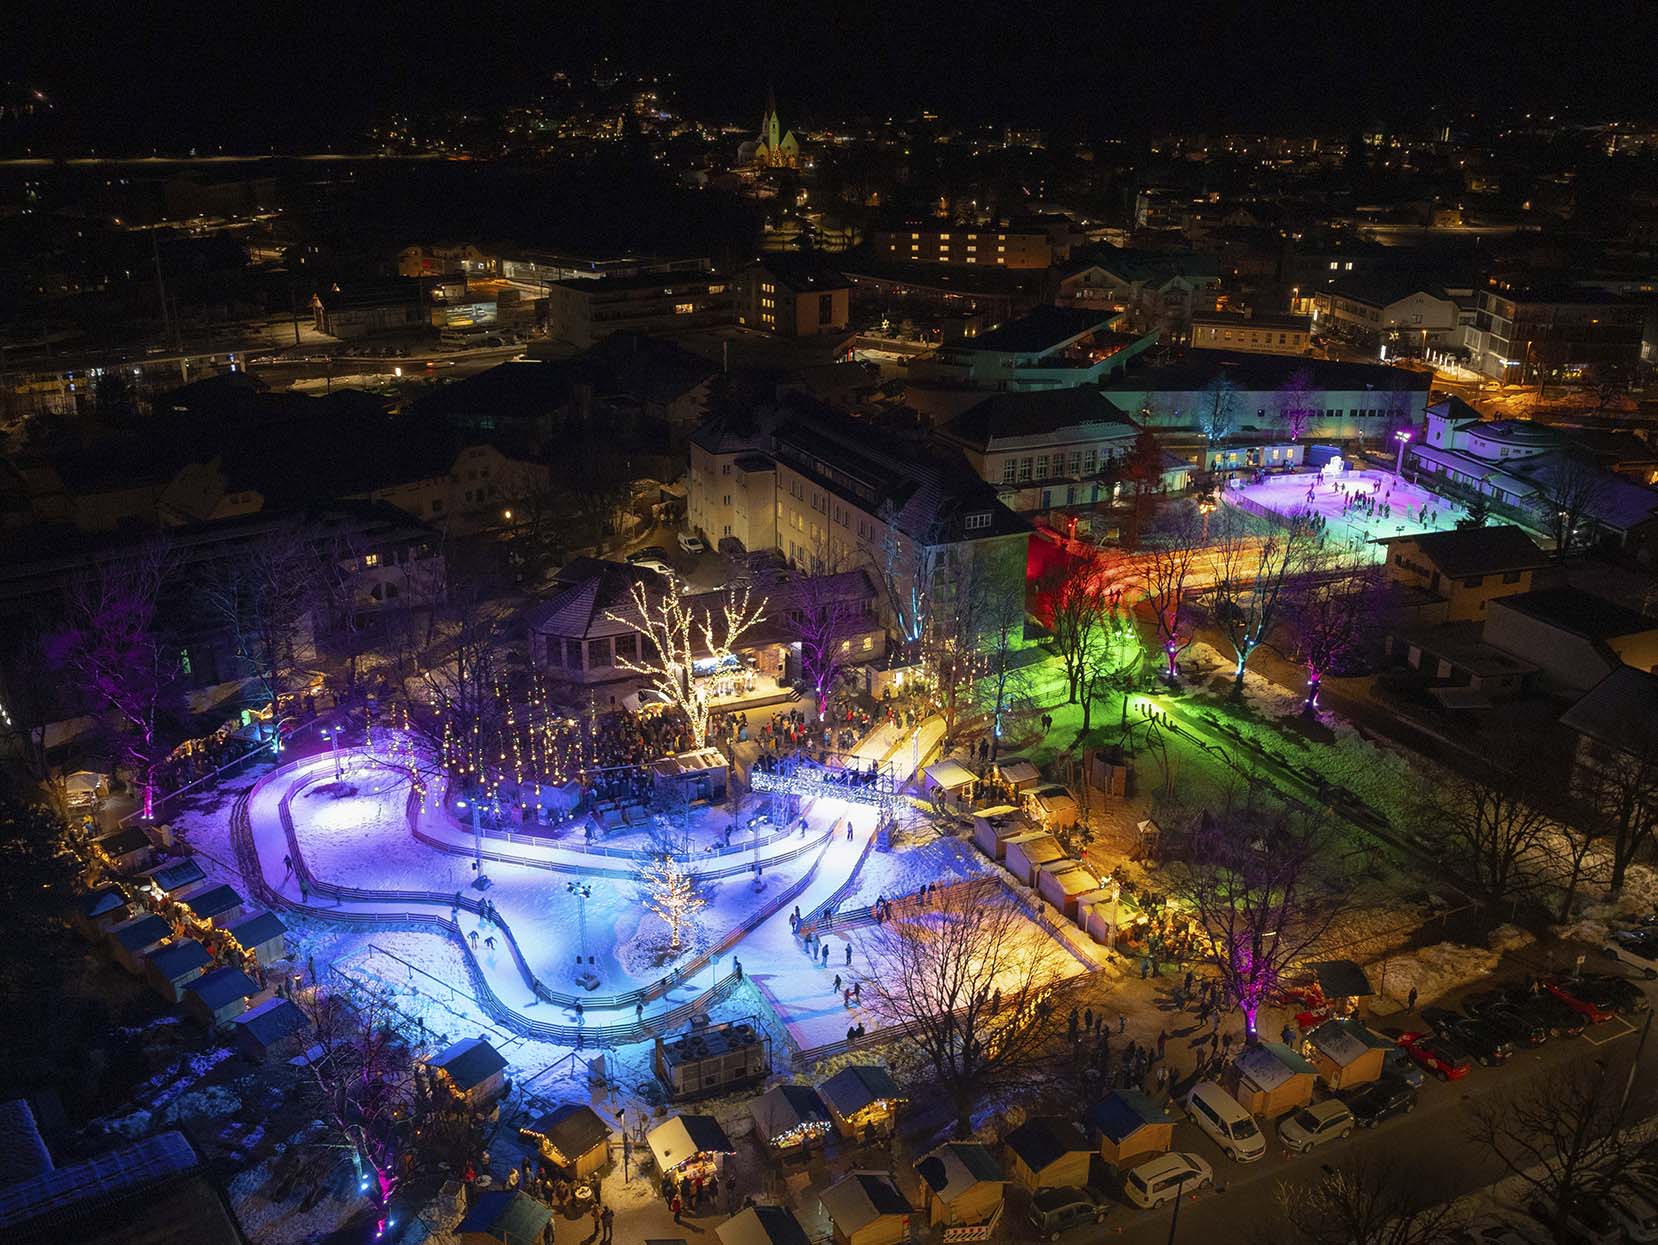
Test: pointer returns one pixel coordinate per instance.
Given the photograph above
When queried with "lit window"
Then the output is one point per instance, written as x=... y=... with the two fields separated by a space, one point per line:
x=684 y=309
x=371 y=559
x=943 y=237
x=1334 y=265
x=914 y=236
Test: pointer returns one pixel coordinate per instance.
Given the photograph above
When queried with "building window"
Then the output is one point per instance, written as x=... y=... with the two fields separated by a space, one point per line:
x=1041 y=466
x=627 y=646
x=1010 y=467
x=1024 y=469
x=974 y=522
x=684 y=309
x=371 y=559
x=1076 y=463
x=1090 y=462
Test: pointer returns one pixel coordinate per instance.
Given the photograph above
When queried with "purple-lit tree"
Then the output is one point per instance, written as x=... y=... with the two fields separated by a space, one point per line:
x=122 y=664
x=1252 y=879
x=1300 y=404
x=825 y=611
x=1162 y=572
x=1332 y=607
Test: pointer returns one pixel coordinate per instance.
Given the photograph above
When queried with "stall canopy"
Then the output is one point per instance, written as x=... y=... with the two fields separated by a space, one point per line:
x=860 y=1199
x=852 y=1089
x=956 y=1166
x=1342 y=979
x=569 y=1132
x=949 y=776
x=1124 y=1112
x=1019 y=774
x=787 y=1112
x=678 y=1139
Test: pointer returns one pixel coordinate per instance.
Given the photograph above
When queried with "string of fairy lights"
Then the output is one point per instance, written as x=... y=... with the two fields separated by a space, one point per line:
x=526 y=742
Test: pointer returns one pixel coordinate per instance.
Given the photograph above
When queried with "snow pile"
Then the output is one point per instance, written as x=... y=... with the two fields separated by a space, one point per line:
x=284 y=1223
x=1434 y=971
x=132 y=1126
x=214 y=1100
x=1506 y=938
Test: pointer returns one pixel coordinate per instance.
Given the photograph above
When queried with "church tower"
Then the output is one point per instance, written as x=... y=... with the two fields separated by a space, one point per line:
x=771 y=129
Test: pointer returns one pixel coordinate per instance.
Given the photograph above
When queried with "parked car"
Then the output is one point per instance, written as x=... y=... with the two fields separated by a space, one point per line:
x=1371 y=1104
x=1536 y=1005
x=1314 y=1125
x=1224 y=1118
x=1401 y=1067
x=650 y=553
x=1436 y=1054
x=692 y=543
x=1516 y=1025
x=1054 y=1212
x=1636 y=1214
x=1605 y=990
x=653 y=564
x=1635 y=947
x=1480 y=1039
x=1562 y=989
x=1165 y=1177
x=1587 y=1220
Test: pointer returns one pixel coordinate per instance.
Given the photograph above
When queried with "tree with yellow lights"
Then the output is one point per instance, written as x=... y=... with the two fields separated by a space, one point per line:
x=674 y=633
x=673 y=892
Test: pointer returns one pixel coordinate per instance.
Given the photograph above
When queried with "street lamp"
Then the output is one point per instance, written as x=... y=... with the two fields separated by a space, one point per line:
x=481 y=882
x=1403 y=438
x=583 y=891
x=332 y=735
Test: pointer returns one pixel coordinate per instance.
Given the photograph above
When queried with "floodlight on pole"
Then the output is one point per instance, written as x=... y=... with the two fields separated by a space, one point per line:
x=1403 y=437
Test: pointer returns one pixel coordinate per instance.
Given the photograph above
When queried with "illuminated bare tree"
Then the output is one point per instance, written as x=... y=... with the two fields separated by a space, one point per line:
x=674 y=632
x=1333 y=604
x=1252 y=878
x=1572 y=488
x=673 y=892
x=825 y=611
x=1006 y=685
x=114 y=648
x=1254 y=578
x=1299 y=403
x=1069 y=601
x=973 y=987
x=1489 y=826
x=1163 y=571
x=1218 y=409
x=264 y=595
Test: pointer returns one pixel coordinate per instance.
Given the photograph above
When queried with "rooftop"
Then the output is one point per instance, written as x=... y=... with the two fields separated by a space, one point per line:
x=1620 y=711
x=178 y=958
x=469 y=1062
x=1045 y=1139
x=804 y=271
x=1039 y=412
x=862 y=1198
x=222 y=986
x=1269 y=373
x=1041 y=331
x=957 y=1166
x=852 y=1089
x=571 y=1129
x=1578 y=613
x=1123 y=1112
x=1253 y=319
x=272 y=1020
x=1460 y=552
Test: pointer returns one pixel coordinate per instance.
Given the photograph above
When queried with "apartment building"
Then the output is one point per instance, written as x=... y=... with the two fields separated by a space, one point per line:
x=581 y=312
x=1530 y=336
x=1250 y=332
x=793 y=295
x=936 y=242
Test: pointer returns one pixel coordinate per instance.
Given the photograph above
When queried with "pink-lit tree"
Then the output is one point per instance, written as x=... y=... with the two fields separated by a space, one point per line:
x=1255 y=577
x=1253 y=880
x=1300 y=403
x=1335 y=601
x=1161 y=573
x=122 y=664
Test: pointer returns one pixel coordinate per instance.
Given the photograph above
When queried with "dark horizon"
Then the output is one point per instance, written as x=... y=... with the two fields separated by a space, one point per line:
x=249 y=83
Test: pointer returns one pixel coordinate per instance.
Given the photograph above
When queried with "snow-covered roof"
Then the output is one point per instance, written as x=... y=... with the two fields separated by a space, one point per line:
x=469 y=1062
x=677 y=1139
x=784 y=1108
x=852 y=1089
x=271 y=1021
x=950 y=775
x=1268 y=1065
x=860 y=1199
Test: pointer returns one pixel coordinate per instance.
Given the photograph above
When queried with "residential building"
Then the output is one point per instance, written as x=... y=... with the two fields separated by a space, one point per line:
x=931 y=241
x=1043 y=449
x=1161 y=290
x=580 y=312
x=1395 y=311
x=1341 y=399
x=1251 y=332
x=971 y=295
x=732 y=485
x=793 y=295
x=445 y=259
x=371 y=308
x=1458 y=572
x=1531 y=472
x=1532 y=336
x=1574 y=638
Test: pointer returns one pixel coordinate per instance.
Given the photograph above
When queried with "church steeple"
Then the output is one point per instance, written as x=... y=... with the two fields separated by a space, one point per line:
x=771 y=130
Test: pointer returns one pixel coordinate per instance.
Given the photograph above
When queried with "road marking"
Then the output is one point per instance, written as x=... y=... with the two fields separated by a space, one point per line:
x=1609 y=1031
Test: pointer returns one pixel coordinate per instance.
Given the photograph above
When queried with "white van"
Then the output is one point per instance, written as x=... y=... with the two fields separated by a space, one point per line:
x=1165 y=1177
x=1220 y=1115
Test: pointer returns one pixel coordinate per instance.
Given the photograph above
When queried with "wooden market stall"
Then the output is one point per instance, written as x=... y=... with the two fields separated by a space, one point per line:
x=1029 y=852
x=572 y=1138
x=1098 y=913
x=212 y=905
x=471 y=1069
x=1269 y=1079
x=762 y=1225
x=1053 y=806
x=1048 y=1152
x=99 y=911
x=1130 y=1124
x=1346 y=1053
x=867 y=1208
x=262 y=936
x=174 y=965
x=790 y=1118
x=215 y=999
x=994 y=826
x=963 y=1182
x=701 y=775
x=125 y=851
x=1019 y=774
x=949 y=782
x=863 y=1100
x=503 y=1217
x=688 y=1146
x=131 y=939
x=167 y=880
x=275 y=1028
x=1065 y=882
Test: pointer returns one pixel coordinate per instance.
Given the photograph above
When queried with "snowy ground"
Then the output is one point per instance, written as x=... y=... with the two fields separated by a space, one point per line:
x=1287 y=494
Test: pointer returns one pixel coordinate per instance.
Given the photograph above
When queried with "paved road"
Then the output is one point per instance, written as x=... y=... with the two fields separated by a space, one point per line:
x=1432 y=1140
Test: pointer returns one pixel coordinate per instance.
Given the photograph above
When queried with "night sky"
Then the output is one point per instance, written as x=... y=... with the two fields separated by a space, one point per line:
x=250 y=76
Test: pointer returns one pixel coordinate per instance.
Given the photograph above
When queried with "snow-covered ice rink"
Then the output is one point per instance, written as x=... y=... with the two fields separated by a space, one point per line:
x=1410 y=508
